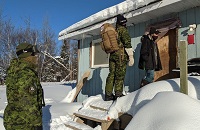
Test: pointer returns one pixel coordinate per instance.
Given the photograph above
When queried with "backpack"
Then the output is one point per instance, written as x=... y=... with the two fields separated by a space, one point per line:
x=109 y=38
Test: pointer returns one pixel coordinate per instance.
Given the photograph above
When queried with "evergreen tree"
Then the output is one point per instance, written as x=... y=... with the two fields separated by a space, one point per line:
x=65 y=55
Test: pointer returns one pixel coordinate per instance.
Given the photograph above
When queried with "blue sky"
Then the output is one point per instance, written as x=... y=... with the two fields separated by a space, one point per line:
x=60 y=13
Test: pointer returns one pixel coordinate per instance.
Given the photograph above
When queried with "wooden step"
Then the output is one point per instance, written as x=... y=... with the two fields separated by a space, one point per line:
x=77 y=126
x=101 y=105
x=94 y=116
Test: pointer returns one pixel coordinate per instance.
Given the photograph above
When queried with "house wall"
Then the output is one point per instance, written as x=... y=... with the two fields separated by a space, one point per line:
x=188 y=17
x=96 y=82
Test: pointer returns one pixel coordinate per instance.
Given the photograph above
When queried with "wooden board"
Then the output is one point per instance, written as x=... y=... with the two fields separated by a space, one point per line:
x=104 y=123
x=167 y=46
x=101 y=105
x=80 y=84
x=89 y=118
x=72 y=127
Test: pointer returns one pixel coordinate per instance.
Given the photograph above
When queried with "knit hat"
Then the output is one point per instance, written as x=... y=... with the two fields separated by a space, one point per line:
x=121 y=20
x=24 y=50
x=153 y=30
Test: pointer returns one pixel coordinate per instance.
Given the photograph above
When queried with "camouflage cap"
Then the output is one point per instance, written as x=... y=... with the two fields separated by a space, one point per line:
x=25 y=49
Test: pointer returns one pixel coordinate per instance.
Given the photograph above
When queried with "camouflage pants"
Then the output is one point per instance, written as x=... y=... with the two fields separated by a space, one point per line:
x=116 y=77
x=16 y=118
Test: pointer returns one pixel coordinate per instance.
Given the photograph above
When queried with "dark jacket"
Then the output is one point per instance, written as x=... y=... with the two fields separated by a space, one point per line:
x=148 y=59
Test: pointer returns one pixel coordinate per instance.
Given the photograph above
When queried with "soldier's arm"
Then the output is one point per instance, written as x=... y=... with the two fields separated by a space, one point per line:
x=125 y=38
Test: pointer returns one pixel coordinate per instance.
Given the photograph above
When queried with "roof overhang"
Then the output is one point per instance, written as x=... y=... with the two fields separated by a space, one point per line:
x=142 y=14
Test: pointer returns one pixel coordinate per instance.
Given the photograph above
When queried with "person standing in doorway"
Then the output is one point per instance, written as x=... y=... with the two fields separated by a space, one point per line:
x=118 y=61
x=24 y=91
x=149 y=56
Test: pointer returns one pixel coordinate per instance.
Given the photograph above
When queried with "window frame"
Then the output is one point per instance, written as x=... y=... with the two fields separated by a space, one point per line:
x=92 y=55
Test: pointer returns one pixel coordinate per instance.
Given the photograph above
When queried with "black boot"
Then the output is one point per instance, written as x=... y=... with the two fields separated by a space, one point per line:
x=38 y=128
x=109 y=97
x=143 y=83
x=118 y=94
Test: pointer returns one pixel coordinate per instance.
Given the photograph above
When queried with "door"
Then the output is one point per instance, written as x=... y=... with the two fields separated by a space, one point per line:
x=167 y=46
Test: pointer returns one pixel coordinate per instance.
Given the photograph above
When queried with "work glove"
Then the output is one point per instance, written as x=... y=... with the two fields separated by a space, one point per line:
x=130 y=54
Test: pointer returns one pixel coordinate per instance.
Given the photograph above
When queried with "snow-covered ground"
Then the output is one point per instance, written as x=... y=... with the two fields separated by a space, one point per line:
x=157 y=106
x=55 y=110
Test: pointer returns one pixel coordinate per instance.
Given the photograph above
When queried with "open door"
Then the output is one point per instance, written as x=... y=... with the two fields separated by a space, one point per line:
x=167 y=46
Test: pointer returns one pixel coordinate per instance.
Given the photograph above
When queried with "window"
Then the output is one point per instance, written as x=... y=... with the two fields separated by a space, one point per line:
x=99 y=58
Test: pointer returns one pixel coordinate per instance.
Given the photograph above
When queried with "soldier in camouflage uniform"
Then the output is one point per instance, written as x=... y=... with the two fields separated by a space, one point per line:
x=24 y=91
x=118 y=61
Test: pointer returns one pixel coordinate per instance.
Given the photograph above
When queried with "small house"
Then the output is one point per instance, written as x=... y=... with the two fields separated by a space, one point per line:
x=176 y=19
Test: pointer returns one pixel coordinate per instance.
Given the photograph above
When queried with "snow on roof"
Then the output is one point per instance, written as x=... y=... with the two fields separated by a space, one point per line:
x=135 y=11
x=106 y=14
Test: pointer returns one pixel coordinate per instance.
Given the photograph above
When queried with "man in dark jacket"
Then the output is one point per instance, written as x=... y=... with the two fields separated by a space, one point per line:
x=149 y=56
x=24 y=91
x=118 y=61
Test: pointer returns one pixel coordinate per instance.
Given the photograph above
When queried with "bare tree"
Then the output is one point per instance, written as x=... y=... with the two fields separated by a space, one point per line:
x=10 y=37
x=7 y=43
x=47 y=45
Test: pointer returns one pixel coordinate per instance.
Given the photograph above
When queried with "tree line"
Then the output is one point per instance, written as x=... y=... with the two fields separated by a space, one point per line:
x=53 y=66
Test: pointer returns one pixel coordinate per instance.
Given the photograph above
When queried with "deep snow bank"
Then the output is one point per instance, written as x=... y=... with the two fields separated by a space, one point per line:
x=168 y=111
x=132 y=102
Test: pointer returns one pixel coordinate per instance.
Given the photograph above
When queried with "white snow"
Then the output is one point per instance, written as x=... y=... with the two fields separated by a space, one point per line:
x=55 y=110
x=168 y=111
x=70 y=96
x=97 y=101
x=132 y=102
x=107 y=13
x=158 y=105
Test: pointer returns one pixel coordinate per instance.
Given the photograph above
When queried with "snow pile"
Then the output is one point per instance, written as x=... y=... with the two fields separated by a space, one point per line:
x=55 y=91
x=94 y=113
x=56 y=113
x=132 y=102
x=58 y=123
x=96 y=101
x=95 y=107
x=168 y=111
x=70 y=96
x=155 y=106
x=61 y=122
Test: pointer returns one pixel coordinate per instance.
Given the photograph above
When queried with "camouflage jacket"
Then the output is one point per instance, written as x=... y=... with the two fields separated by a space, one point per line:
x=124 y=41
x=24 y=95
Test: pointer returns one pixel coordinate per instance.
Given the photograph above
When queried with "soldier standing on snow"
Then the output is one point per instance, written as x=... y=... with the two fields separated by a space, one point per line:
x=24 y=91
x=118 y=61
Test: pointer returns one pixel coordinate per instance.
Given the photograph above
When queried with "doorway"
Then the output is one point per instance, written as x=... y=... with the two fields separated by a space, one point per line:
x=167 y=46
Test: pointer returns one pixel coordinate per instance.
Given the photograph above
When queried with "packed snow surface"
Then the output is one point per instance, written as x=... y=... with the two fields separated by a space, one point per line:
x=156 y=106
x=132 y=102
x=168 y=111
